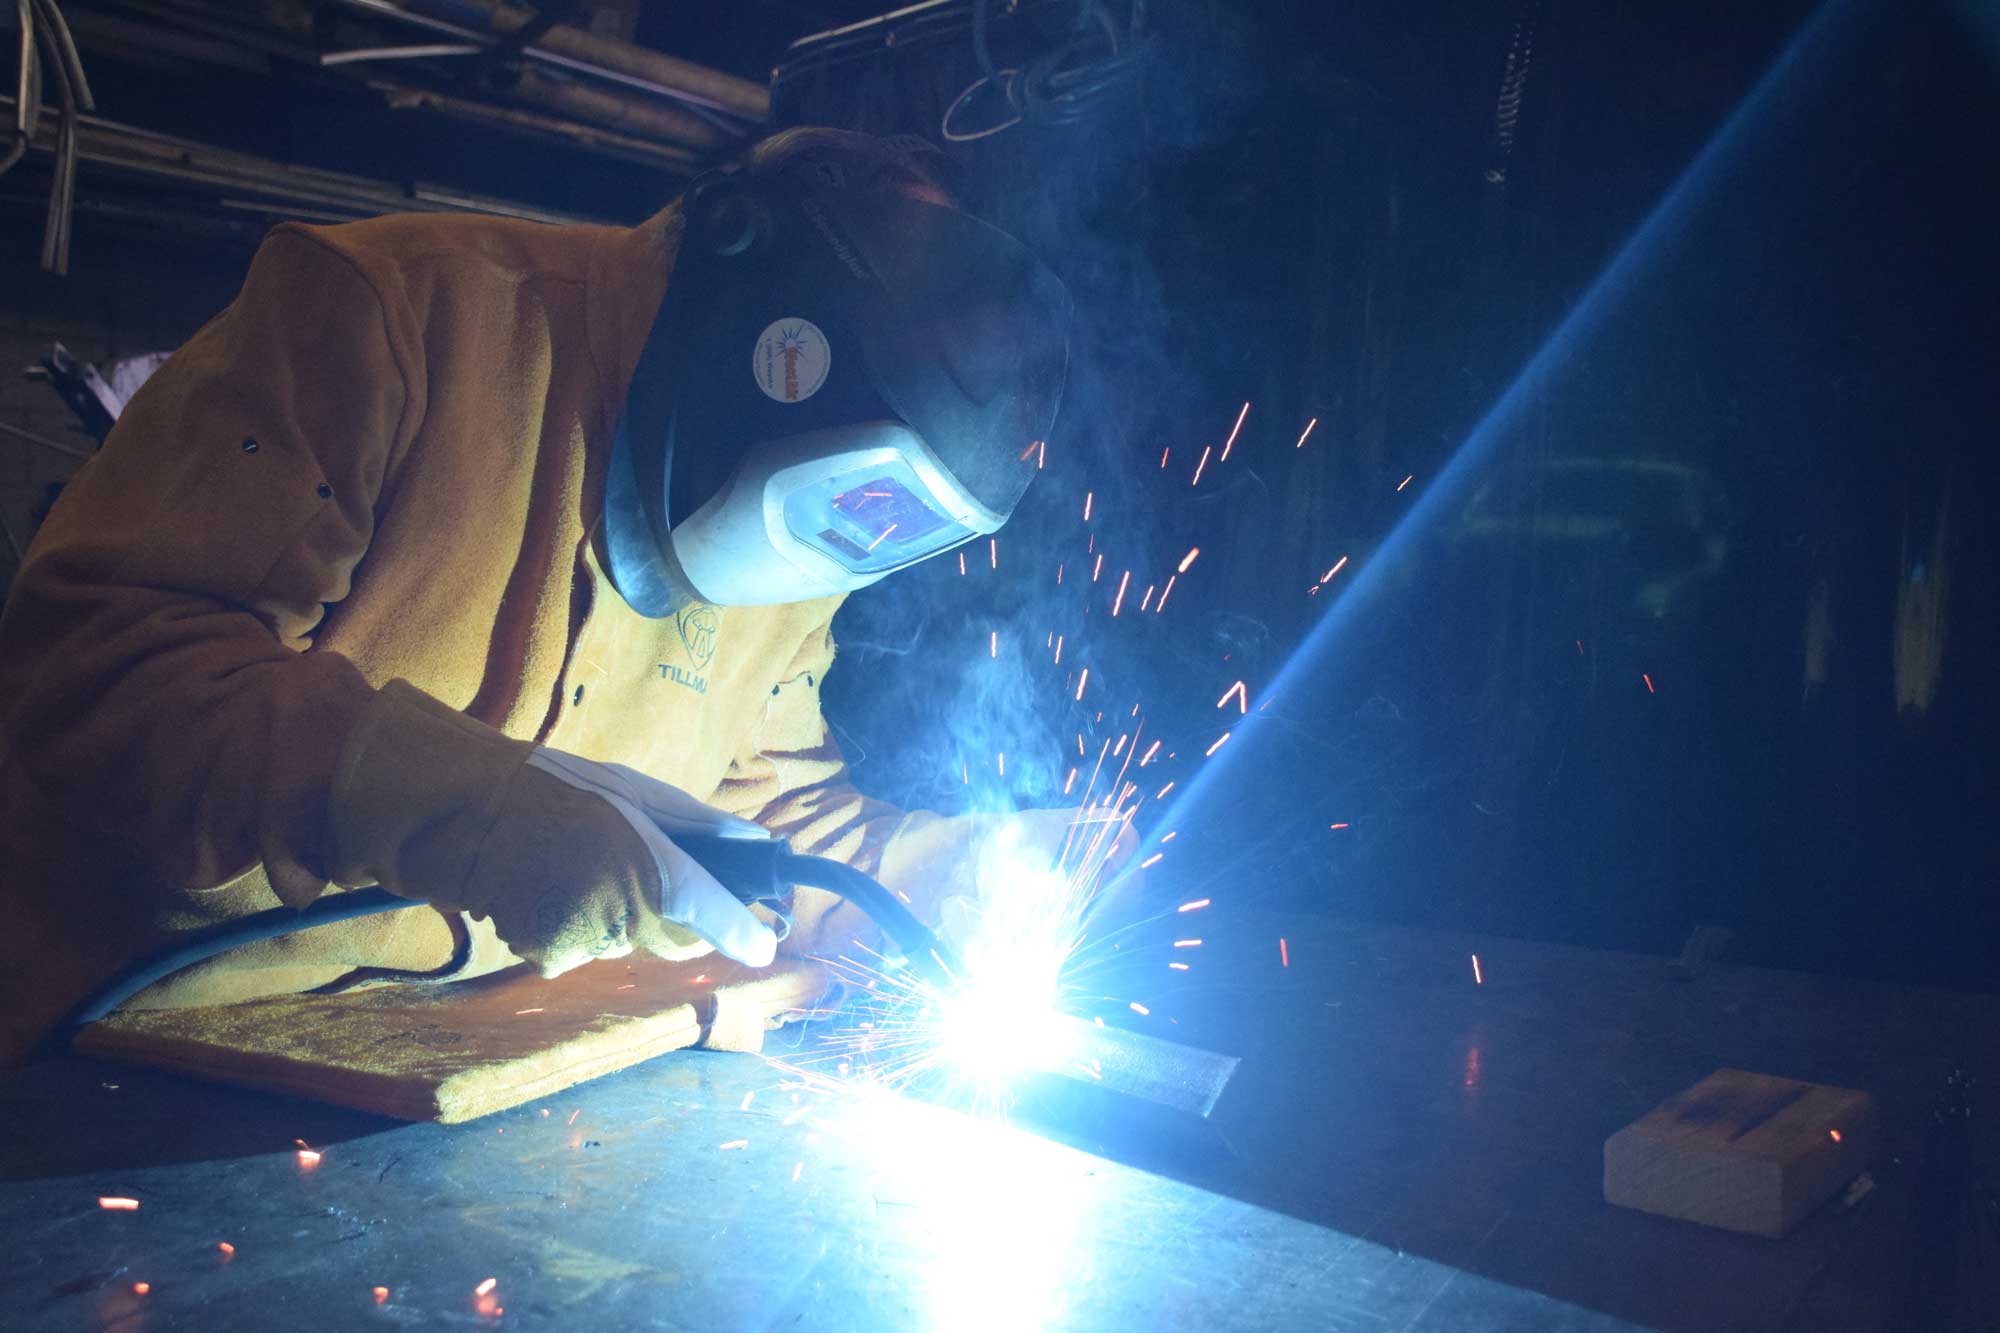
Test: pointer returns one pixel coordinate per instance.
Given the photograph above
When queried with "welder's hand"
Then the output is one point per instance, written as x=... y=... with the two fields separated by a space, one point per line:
x=572 y=860
x=684 y=894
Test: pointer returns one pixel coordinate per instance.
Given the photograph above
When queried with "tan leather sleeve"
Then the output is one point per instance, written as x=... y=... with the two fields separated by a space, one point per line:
x=150 y=653
x=795 y=784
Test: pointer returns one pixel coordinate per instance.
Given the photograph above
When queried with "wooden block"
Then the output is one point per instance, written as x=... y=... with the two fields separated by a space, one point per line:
x=1747 y=1152
x=459 y=1051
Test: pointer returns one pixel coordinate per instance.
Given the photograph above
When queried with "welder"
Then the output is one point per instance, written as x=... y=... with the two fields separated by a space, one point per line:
x=477 y=559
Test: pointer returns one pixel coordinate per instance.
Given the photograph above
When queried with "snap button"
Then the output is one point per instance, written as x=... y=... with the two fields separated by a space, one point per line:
x=325 y=491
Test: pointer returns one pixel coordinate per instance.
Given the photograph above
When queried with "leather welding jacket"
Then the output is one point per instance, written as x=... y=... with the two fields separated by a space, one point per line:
x=383 y=461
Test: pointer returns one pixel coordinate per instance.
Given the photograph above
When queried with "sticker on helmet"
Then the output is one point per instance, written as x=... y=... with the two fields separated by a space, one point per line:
x=791 y=360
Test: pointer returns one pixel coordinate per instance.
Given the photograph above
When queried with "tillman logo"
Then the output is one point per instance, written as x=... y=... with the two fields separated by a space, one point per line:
x=791 y=360
x=698 y=625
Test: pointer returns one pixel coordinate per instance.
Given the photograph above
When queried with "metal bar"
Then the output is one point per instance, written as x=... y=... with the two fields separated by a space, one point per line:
x=45 y=442
x=143 y=152
x=371 y=54
x=604 y=58
x=1165 y=1073
x=651 y=152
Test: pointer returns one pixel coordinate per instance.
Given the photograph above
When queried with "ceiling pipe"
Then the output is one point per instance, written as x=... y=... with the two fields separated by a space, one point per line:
x=602 y=57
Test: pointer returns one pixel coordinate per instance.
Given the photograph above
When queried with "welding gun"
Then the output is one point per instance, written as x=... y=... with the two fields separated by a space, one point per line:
x=754 y=870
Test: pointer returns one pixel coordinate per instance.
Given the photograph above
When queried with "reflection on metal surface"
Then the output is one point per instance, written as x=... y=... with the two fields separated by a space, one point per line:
x=997 y=1224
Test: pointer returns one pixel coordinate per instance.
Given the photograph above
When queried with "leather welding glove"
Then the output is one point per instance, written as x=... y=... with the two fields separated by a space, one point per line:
x=571 y=859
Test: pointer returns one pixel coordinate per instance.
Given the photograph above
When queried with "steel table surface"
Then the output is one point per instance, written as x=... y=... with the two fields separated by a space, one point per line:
x=1404 y=1148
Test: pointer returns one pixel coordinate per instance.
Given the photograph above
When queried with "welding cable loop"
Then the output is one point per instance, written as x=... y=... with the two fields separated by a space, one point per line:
x=1002 y=82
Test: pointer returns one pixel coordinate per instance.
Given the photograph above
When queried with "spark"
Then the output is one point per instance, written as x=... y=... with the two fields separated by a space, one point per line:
x=1308 y=430
x=1171 y=836
x=1097 y=568
x=1284 y=953
x=1478 y=978
x=734 y=1144
x=1070 y=782
x=1153 y=750
x=1163 y=456
x=1161 y=605
x=1338 y=565
x=1059 y=644
x=1079 y=744
x=1087 y=497
x=1081 y=682
x=228 y=1250
x=1001 y=760
x=1406 y=481
x=1649 y=683
x=700 y=980
x=993 y=642
x=1141 y=1009
x=115 y=1204
x=572 y=1117
x=1219 y=742
x=796 y=1168
x=1041 y=454
x=1187 y=560
x=884 y=533
x=486 y=1288
x=747 y=1098
x=961 y=564
x=1059 y=570
x=1834 y=1134
x=308 y=1159
x=1579 y=647
x=1178 y=967
x=141 y=1288
x=1337 y=826
x=1119 y=601
x=381 y=1295
x=1032 y=446
x=1119 y=748
x=1163 y=791
x=1242 y=697
x=993 y=551
x=1187 y=944
x=1205 y=451
x=519 y=1012
x=1194 y=906
x=630 y=985
x=1151 y=861
x=1149 y=595
x=1232 y=431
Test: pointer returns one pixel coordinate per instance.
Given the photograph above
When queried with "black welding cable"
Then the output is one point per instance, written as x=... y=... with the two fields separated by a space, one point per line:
x=753 y=870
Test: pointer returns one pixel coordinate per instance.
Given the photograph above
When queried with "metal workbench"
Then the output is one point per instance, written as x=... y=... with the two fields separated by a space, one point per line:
x=1404 y=1148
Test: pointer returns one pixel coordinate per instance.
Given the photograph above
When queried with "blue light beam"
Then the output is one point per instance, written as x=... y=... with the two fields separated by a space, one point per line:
x=1730 y=150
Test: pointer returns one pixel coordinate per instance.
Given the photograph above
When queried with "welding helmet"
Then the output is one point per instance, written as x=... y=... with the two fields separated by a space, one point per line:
x=839 y=383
